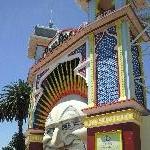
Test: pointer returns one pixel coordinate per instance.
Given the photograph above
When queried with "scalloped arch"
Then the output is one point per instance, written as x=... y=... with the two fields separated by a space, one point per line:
x=59 y=83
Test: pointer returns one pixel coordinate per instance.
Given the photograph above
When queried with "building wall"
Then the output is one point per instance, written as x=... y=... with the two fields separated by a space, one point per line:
x=145 y=133
x=36 y=146
x=130 y=135
x=39 y=52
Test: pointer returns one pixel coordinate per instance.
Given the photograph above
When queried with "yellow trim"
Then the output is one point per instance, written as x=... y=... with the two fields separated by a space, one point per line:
x=119 y=132
x=41 y=121
x=34 y=138
x=51 y=90
x=57 y=83
x=129 y=115
x=67 y=76
x=71 y=76
x=46 y=109
x=44 y=113
x=59 y=77
x=48 y=102
x=46 y=97
x=63 y=77
x=121 y=63
x=75 y=78
x=40 y=125
x=92 y=85
x=54 y=85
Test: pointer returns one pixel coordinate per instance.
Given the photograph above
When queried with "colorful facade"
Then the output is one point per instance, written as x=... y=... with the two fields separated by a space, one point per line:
x=88 y=83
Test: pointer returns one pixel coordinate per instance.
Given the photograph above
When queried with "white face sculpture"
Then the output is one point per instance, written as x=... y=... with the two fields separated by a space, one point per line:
x=63 y=128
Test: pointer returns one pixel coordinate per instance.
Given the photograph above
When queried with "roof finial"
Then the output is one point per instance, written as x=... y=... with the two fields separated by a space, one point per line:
x=51 y=20
x=50 y=24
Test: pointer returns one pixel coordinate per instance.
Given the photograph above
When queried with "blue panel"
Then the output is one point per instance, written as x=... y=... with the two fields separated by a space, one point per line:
x=106 y=67
x=137 y=75
x=82 y=50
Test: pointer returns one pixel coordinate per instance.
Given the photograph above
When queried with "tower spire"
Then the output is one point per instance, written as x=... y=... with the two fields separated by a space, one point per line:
x=51 y=19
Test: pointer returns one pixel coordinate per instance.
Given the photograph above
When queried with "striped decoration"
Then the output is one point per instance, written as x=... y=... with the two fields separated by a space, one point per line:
x=121 y=64
x=58 y=84
x=91 y=99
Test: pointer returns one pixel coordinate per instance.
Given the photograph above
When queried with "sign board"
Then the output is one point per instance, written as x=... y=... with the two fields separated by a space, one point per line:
x=108 y=140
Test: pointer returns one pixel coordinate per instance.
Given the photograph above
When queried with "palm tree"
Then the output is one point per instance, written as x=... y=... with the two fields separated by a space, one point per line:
x=14 y=104
x=14 y=141
x=13 y=144
x=7 y=148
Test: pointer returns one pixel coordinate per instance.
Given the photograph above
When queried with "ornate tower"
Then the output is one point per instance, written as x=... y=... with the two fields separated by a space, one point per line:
x=59 y=89
x=90 y=81
x=116 y=97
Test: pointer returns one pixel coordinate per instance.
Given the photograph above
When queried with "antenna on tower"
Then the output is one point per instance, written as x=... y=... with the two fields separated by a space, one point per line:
x=51 y=20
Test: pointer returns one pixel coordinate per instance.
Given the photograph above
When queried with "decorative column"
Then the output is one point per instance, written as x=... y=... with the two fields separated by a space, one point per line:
x=91 y=46
x=91 y=97
x=34 y=139
x=126 y=79
x=121 y=65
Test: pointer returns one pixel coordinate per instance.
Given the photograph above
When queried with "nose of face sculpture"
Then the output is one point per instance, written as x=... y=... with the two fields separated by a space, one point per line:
x=53 y=140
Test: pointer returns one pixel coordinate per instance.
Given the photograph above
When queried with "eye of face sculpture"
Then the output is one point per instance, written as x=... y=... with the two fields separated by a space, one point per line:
x=63 y=128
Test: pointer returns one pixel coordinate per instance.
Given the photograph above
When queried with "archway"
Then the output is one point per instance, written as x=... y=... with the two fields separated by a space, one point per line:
x=58 y=84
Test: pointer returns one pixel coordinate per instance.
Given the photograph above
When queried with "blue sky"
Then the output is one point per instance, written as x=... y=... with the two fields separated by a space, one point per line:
x=17 y=20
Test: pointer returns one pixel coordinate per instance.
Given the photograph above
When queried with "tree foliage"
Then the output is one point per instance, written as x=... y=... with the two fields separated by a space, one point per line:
x=14 y=144
x=14 y=104
x=15 y=99
x=7 y=148
x=16 y=140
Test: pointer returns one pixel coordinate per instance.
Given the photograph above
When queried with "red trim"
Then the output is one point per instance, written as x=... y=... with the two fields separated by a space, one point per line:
x=130 y=135
x=116 y=105
x=35 y=146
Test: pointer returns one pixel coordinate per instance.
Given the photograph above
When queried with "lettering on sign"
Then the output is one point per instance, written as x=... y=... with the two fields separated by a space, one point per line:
x=105 y=14
x=59 y=39
x=109 y=141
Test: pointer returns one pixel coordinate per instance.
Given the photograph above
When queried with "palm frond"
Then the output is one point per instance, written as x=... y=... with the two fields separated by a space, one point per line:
x=14 y=101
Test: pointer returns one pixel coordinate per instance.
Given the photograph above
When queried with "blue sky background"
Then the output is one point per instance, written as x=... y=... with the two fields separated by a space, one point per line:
x=17 y=21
